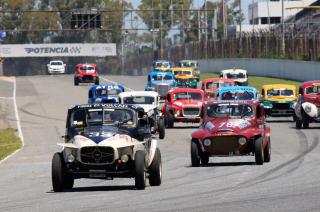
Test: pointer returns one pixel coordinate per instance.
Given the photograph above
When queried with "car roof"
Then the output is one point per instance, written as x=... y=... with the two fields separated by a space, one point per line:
x=279 y=86
x=214 y=101
x=218 y=80
x=176 y=90
x=233 y=70
x=310 y=83
x=106 y=86
x=138 y=93
x=238 y=88
x=106 y=106
x=87 y=64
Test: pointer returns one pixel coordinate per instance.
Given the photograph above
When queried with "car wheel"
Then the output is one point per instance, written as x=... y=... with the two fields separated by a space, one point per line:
x=161 y=128
x=170 y=120
x=267 y=152
x=96 y=82
x=60 y=179
x=140 y=174
x=258 y=151
x=195 y=158
x=294 y=117
x=204 y=157
x=155 y=169
x=76 y=81
x=298 y=123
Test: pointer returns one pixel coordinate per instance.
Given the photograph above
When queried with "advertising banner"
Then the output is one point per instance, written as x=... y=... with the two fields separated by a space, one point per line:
x=58 y=50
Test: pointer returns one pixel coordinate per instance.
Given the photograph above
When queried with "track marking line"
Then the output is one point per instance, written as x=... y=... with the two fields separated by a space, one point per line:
x=20 y=134
x=105 y=79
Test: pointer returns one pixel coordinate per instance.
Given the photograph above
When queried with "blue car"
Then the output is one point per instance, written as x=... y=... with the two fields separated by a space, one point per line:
x=104 y=93
x=160 y=82
x=237 y=93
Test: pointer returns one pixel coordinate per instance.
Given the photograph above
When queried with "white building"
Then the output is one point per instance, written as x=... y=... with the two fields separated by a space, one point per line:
x=261 y=10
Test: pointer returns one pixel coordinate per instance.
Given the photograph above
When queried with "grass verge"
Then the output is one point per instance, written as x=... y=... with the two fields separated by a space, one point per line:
x=9 y=142
x=257 y=81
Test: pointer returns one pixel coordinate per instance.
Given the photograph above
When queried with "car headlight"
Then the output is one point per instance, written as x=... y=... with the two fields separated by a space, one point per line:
x=207 y=142
x=307 y=109
x=242 y=141
x=70 y=158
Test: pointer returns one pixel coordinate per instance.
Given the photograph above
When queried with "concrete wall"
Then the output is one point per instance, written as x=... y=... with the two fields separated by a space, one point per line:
x=286 y=69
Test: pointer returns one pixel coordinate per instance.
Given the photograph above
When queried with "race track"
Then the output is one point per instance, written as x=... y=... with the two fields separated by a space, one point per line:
x=290 y=182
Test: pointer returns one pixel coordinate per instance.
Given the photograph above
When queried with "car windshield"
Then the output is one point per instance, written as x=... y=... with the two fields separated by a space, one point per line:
x=211 y=85
x=279 y=92
x=56 y=63
x=106 y=92
x=188 y=64
x=182 y=72
x=161 y=77
x=85 y=68
x=187 y=96
x=236 y=76
x=237 y=95
x=139 y=100
x=163 y=64
x=233 y=110
x=95 y=117
x=315 y=89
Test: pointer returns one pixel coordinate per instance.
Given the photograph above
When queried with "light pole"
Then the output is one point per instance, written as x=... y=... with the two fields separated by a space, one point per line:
x=161 y=55
x=123 y=52
x=283 y=51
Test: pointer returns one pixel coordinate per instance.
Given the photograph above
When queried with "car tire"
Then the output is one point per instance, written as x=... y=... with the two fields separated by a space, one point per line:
x=96 y=82
x=170 y=120
x=60 y=179
x=155 y=169
x=259 y=151
x=76 y=81
x=267 y=152
x=161 y=128
x=195 y=158
x=204 y=157
x=305 y=121
x=298 y=123
x=140 y=174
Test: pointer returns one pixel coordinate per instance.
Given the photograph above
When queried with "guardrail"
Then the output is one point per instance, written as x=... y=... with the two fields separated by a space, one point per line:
x=286 y=69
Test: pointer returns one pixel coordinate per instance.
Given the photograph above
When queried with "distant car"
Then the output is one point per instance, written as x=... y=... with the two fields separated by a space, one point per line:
x=238 y=93
x=211 y=86
x=183 y=105
x=56 y=67
x=193 y=64
x=240 y=76
x=160 y=82
x=231 y=128
x=307 y=109
x=105 y=93
x=162 y=65
x=279 y=99
x=106 y=141
x=150 y=102
x=185 y=77
x=86 y=73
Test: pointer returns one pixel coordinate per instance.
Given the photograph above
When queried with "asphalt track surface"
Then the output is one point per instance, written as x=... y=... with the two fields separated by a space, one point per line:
x=290 y=182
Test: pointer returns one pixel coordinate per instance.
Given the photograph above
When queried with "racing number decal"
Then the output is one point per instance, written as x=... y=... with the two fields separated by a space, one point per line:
x=240 y=124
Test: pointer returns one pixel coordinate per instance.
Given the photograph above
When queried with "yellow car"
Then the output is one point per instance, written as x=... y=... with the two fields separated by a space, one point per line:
x=185 y=77
x=279 y=99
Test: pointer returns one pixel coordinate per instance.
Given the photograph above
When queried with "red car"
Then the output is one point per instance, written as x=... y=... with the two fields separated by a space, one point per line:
x=183 y=105
x=210 y=86
x=86 y=73
x=231 y=128
x=307 y=109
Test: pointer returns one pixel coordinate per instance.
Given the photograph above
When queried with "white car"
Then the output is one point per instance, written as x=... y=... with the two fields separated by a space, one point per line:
x=56 y=67
x=150 y=102
x=240 y=76
x=106 y=141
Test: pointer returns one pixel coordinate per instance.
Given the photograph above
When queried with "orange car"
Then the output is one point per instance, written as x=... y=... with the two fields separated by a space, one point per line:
x=210 y=86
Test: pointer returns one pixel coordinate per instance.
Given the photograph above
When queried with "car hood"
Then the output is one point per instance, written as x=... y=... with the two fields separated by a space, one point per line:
x=147 y=107
x=225 y=125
